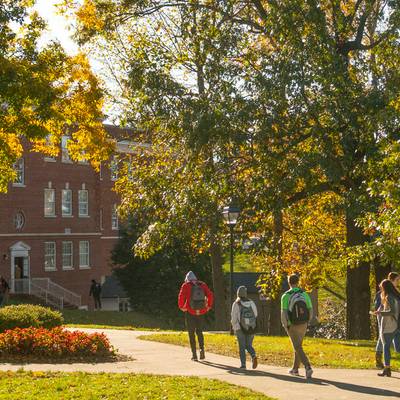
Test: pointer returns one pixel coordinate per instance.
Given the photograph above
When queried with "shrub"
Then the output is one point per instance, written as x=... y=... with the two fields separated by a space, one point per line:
x=332 y=321
x=29 y=315
x=53 y=343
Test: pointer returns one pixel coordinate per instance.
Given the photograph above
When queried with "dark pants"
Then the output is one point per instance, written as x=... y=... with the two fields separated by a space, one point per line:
x=194 y=324
x=97 y=302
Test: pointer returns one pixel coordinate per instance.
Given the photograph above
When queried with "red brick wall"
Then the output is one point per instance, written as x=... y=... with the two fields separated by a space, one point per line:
x=39 y=229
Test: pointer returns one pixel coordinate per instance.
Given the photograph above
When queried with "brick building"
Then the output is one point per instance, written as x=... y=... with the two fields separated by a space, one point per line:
x=58 y=225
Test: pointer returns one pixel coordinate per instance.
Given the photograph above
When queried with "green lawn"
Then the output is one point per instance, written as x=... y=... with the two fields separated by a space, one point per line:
x=114 y=320
x=278 y=351
x=49 y=386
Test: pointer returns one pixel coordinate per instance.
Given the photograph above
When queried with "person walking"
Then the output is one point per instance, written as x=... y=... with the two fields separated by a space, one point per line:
x=195 y=299
x=95 y=291
x=393 y=277
x=388 y=313
x=244 y=323
x=296 y=313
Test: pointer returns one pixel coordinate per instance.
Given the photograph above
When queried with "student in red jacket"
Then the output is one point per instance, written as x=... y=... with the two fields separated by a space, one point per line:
x=195 y=299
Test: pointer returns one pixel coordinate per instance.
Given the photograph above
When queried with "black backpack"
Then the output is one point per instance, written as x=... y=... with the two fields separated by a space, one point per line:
x=197 y=296
x=298 y=310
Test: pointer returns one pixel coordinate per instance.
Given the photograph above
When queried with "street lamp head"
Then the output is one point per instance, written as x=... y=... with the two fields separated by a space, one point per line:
x=231 y=214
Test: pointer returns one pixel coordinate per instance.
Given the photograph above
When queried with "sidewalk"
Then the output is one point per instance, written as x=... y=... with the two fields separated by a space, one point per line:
x=158 y=358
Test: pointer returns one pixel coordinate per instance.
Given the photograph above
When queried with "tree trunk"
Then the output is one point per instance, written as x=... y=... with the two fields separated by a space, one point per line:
x=275 y=327
x=357 y=289
x=381 y=272
x=221 y=321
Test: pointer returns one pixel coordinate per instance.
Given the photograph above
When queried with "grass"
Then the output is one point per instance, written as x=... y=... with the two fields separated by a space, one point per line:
x=130 y=320
x=66 y=386
x=242 y=263
x=278 y=351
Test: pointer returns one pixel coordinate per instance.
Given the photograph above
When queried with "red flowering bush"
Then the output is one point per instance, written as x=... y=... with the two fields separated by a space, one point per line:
x=53 y=343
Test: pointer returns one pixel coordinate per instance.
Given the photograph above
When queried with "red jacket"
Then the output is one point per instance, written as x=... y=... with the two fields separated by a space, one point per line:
x=184 y=298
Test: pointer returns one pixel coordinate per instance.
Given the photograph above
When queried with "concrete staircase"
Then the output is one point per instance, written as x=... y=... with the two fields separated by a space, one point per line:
x=46 y=291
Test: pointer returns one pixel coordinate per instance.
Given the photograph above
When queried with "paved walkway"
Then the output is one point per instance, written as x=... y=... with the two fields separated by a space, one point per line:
x=158 y=358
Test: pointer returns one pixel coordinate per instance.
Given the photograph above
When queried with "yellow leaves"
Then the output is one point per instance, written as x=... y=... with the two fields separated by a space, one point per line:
x=89 y=17
x=12 y=142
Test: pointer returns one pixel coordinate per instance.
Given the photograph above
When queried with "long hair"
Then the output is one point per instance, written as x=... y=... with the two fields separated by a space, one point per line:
x=392 y=276
x=387 y=289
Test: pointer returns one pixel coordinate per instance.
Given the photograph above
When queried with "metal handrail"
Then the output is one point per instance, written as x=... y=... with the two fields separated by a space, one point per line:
x=55 y=289
x=45 y=288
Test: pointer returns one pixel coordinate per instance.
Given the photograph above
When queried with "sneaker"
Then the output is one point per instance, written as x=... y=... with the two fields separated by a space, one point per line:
x=294 y=372
x=194 y=358
x=309 y=372
x=242 y=367
x=255 y=362
x=202 y=355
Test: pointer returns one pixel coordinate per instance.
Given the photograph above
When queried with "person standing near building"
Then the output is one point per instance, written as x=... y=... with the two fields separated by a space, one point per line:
x=296 y=313
x=195 y=299
x=4 y=291
x=95 y=291
x=244 y=324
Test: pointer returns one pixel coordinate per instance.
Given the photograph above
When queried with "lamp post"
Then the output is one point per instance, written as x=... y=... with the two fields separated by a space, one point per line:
x=231 y=214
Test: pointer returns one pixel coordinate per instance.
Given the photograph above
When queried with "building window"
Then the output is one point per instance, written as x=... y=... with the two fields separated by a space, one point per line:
x=123 y=305
x=84 y=254
x=20 y=171
x=83 y=196
x=66 y=206
x=49 y=203
x=49 y=158
x=67 y=255
x=64 y=149
x=114 y=168
x=50 y=256
x=114 y=218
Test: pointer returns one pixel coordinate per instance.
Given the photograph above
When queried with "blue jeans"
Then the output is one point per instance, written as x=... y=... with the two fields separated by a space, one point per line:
x=245 y=343
x=389 y=338
x=396 y=342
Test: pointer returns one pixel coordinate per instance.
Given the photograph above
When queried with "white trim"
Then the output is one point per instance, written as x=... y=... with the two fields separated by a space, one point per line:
x=64 y=203
x=110 y=237
x=54 y=268
x=53 y=191
x=49 y=234
x=84 y=266
x=80 y=202
x=20 y=246
x=71 y=266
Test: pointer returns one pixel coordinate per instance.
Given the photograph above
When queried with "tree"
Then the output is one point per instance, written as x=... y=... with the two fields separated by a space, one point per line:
x=183 y=92
x=153 y=284
x=41 y=92
x=322 y=78
x=315 y=94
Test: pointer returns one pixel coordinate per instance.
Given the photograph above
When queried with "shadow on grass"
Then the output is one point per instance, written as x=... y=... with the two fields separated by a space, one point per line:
x=314 y=381
x=21 y=360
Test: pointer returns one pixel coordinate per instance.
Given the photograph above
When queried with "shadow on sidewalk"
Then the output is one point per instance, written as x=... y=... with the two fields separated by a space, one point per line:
x=314 y=381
